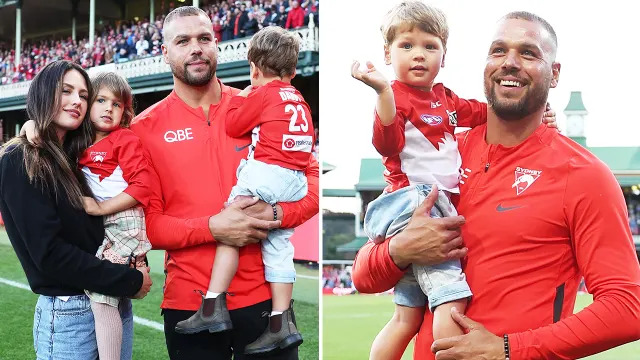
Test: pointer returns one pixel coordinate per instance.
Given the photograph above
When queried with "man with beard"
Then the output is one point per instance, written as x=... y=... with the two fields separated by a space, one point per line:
x=541 y=212
x=196 y=165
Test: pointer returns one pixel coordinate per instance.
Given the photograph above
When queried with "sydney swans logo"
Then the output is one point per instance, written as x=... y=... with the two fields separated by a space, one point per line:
x=524 y=179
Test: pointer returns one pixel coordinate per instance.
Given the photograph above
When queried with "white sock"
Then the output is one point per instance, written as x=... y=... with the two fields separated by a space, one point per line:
x=211 y=295
x=276 y=312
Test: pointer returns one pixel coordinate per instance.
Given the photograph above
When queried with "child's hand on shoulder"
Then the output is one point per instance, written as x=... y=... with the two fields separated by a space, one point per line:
x=91 y=206
x=549 y=118
x=245 y=92
x=370 y=76
x=29 y=129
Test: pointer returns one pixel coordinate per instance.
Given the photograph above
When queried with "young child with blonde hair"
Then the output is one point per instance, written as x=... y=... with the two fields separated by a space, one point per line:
x=413 y=130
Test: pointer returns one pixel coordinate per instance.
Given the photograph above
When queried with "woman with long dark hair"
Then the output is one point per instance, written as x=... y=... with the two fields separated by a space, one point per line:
x=41 y=193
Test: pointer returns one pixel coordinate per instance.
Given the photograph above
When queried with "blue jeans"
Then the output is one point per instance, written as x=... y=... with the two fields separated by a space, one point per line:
x=65 y=330
x=388 y=215
x=126 y=314
x=272 y=184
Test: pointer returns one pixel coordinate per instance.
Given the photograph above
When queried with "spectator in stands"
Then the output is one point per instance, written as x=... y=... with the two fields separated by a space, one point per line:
x=251 y=26
x=295 y=17
x=142 y=45
x=241 y=20
x=217 y=28
x=126 y=40
x=227 y=26
x=273 y=18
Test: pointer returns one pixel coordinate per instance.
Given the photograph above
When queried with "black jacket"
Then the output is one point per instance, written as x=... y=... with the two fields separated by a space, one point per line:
x=56 y=243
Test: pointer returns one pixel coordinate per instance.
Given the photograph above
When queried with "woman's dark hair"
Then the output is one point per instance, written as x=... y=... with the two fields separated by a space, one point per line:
x=51 y=165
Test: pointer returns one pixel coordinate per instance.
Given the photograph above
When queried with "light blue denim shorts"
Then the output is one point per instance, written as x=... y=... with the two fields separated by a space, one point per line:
x=272 y=184
x=65 y=330
x=388 y=215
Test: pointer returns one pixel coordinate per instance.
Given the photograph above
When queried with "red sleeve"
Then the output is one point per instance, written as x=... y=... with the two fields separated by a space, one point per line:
x=300 y=18
x=135 y=166
x=244 y=113
x=597 y=218
x=167 y=232
x=470 y=113
x=296 y=213
x=389 y=140
x=288 y=23
x=373 y=269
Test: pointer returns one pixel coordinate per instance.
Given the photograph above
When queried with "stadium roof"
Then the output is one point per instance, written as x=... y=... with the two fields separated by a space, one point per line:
x=353 y=245
x=326 y=167
x=371 y=171
x=575 y=102
x=53 y=17
x=339 y=192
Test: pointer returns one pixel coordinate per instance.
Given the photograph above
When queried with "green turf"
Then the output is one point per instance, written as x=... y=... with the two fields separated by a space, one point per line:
x=350 y=323
x=16 y=315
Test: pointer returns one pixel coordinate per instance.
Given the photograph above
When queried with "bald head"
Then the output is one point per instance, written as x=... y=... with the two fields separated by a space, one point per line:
x=551 y=34
x=167 y=30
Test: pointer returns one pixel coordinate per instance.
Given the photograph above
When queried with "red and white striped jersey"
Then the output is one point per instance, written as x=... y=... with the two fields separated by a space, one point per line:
x=419 y=147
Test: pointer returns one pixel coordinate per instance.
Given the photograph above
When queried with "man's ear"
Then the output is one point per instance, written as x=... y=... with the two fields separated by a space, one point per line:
x=164 y=53
x=387 y=54
x=555 y=68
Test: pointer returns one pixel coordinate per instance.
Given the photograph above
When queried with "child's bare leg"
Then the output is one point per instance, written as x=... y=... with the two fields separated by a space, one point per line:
x=224 y=268
x=443 y=324
x=392 y=340
x=108 y=330
x=281 y=294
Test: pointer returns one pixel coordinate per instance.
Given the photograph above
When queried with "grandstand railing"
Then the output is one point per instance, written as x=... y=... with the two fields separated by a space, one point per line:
x=228 y=51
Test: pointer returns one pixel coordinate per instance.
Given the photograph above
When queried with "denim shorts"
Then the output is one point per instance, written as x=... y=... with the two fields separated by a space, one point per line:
x=272 y=184
x=388 y=215
x=65 y=330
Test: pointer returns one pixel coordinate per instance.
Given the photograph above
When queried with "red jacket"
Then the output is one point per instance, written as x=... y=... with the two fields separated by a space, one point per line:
x=196 y=163
x=295 y=18
x=539 y=217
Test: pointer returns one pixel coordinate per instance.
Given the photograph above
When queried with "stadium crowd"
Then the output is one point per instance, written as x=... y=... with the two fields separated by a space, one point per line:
x=132 y=39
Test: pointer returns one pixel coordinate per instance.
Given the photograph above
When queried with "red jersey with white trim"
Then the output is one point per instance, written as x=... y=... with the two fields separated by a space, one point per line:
x=116 y=164
x=539 y=217
x=420 y=147
x=280 y=120
x=196 y=163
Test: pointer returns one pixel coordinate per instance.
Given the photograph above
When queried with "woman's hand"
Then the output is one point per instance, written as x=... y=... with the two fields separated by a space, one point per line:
x=146 y=283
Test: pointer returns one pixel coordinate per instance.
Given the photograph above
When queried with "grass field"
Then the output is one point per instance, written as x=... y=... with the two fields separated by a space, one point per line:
x=350 y=323
x=16 y=311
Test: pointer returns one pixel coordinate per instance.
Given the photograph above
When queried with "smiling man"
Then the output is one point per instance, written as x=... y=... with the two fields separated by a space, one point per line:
x=541 y=212
x=196 y=165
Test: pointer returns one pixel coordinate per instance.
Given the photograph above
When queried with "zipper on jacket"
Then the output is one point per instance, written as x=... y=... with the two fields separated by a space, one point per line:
x=486 y=167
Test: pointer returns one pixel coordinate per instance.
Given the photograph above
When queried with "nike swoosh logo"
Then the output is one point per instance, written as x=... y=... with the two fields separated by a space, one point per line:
x=240 y=148
x=502 y=209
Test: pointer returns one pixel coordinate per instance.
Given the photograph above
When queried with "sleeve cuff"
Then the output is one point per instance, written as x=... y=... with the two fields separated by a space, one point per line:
x=141 y=195
x=288 y=222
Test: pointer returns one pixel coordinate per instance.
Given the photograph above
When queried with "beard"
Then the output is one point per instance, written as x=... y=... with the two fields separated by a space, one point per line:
x=194 y=79
x=531 y=101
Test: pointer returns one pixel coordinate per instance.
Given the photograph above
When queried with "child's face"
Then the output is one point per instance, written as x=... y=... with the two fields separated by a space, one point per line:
x=106 y=111
x=416 y=57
